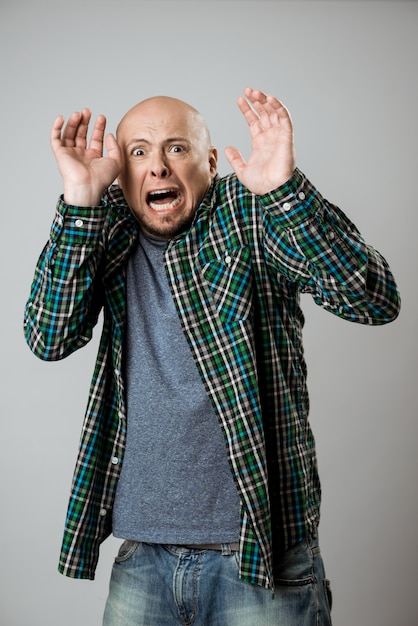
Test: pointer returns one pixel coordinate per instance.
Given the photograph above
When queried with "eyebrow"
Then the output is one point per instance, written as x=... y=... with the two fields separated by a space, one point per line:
x=168 y=140
x=137 y=140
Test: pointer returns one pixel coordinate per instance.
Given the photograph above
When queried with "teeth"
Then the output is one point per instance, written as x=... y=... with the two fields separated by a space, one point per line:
x=161 y=192
x=163 y=207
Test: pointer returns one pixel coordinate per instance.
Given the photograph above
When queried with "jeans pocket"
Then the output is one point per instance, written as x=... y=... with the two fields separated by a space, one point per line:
x=294 y=567
x=294 y=582
x=328 y=593
x=127 y=549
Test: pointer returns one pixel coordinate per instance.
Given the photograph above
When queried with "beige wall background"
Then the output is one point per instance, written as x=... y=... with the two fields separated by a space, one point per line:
x=348 y=73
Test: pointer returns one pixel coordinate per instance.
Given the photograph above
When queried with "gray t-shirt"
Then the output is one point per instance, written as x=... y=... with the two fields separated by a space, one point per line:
x=176 y=486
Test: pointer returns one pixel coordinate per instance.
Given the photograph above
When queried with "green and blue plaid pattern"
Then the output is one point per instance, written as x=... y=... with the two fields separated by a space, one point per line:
x=236 y=277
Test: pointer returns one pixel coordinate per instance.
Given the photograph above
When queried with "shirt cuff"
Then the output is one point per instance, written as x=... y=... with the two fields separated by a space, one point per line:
x=293 y=202
x=74 y=224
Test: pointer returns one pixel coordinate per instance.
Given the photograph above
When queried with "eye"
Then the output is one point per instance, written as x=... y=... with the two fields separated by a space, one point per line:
x=138 y=152
x=176 y=148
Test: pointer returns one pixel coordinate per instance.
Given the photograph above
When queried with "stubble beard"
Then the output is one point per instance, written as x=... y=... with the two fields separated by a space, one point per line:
x=166 y=228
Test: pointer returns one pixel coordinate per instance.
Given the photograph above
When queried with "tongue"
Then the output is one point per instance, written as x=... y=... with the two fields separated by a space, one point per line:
x=162 y=198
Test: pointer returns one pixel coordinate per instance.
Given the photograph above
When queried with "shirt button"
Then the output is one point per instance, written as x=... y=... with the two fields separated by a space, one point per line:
x=103 y=512
x=302 y=196
x=79 y=223
x=287 y=206
x=228 y=259
x=115 y=460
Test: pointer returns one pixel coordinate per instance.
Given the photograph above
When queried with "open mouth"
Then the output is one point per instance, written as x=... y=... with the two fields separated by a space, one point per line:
x=163 y=199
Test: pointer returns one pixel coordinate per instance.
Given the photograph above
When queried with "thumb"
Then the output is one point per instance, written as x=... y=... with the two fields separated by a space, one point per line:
x=113 y=150
x=234 y=159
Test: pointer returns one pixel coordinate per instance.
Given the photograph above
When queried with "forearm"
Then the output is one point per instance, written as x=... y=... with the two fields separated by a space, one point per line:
x=66 y=293
x=314 y=243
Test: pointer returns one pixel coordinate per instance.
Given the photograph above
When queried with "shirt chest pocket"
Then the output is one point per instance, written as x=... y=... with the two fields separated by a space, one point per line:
x=228 y=280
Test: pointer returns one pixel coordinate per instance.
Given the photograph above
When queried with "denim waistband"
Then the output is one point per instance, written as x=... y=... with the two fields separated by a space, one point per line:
x=232 y=547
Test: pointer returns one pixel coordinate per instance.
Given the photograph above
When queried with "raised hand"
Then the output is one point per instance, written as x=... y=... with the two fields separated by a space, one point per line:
x=272 y=159
x=84 y=169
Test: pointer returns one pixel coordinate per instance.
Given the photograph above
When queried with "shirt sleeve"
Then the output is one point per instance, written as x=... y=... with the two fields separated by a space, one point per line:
x=65 y=297
x=311 y=241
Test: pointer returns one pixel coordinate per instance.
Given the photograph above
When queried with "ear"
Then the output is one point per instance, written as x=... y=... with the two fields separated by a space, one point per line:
x=213 y=161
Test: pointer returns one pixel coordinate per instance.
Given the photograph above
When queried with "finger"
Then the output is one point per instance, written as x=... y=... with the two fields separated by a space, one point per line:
x=97 y=135
x=258 y=107
x=266 y=113
x=264 y=104
x=70 y=130
x=272 y=112
x=254 y=94
x=248 y=112
x=75 y=131
x=55 y=136
x=82 y=129
x=281 y=111
x=259 y=99
x=276 y=105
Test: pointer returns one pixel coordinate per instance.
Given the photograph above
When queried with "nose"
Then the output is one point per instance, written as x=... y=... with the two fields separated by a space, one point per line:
x=159 y=167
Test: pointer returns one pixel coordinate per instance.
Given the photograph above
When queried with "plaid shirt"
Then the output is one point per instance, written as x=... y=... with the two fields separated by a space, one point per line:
x=236 y=277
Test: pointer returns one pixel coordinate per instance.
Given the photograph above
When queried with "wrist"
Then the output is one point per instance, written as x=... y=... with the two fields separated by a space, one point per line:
x=82 y=196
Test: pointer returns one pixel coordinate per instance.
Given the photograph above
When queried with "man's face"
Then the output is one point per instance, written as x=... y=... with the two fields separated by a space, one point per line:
x=168 y=164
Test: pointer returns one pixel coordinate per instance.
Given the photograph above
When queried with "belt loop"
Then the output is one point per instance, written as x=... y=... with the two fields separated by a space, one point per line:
x=226 y=549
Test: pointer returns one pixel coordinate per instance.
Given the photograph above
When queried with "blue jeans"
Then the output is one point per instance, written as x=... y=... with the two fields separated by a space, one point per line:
x=164 y=585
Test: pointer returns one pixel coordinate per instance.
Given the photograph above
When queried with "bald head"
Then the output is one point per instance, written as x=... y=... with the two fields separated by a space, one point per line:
x=162 y=106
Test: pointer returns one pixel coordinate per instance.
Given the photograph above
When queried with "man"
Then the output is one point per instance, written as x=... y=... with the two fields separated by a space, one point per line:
x=196 y=448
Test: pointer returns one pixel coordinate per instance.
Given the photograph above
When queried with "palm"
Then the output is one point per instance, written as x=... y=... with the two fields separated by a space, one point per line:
x=85 y=166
